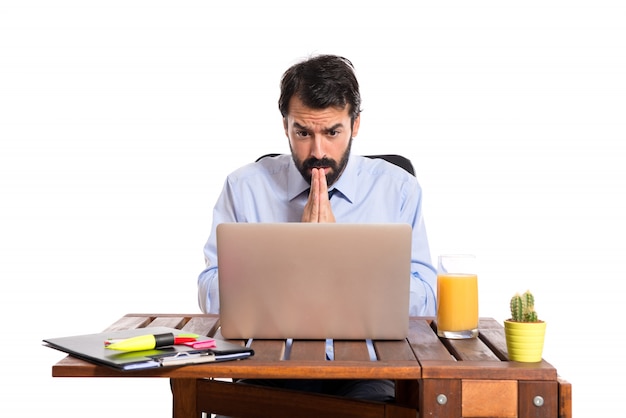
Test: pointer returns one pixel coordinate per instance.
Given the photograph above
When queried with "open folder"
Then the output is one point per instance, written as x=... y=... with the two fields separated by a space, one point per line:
x=91 y=347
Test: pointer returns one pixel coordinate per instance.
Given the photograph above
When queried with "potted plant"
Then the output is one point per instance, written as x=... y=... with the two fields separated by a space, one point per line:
x=524 y=332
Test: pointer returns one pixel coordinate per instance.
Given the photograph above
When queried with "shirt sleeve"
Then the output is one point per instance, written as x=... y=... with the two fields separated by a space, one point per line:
x=423 y=299
x=208 y=289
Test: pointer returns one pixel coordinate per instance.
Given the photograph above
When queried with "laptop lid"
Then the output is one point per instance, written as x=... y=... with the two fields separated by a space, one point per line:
x=314 y=281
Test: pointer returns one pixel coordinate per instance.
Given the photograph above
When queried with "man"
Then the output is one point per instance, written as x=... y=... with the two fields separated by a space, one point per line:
x=321 y=108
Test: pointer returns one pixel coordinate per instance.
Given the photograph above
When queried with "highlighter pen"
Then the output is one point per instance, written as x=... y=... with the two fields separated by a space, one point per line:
x=148 y=342
x=178 y=339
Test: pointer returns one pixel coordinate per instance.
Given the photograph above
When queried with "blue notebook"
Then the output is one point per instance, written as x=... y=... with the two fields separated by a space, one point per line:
x=90 y=347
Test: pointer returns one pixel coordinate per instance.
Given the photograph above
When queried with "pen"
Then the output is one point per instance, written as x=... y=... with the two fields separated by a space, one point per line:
x=149 y=342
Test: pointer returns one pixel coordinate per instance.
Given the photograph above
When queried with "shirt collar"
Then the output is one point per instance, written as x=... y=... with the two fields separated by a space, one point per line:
x=296 y=185
x=345 y=185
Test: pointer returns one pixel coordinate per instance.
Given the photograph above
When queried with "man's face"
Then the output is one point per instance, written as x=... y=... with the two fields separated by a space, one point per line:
x=319 y=138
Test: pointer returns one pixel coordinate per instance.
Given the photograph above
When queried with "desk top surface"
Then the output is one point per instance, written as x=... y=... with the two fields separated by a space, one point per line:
x=421 y=355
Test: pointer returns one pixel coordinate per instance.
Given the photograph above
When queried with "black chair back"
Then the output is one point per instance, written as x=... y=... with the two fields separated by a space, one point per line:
x=395 y=159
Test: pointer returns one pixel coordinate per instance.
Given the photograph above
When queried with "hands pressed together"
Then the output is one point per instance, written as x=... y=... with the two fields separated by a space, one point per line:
x=317 y=208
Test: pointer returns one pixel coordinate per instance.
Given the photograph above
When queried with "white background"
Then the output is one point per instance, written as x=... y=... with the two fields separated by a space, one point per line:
x=119 y=121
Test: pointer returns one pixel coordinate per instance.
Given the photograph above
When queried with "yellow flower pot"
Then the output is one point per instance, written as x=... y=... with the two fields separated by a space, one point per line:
x=524 y=340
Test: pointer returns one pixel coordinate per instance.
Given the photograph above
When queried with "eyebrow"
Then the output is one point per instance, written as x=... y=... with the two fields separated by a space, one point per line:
x=332 y=128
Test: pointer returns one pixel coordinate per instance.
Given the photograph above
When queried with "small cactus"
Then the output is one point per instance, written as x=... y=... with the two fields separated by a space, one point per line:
x=523 y=308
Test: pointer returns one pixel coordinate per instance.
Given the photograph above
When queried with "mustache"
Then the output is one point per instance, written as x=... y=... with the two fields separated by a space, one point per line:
x=317 y=163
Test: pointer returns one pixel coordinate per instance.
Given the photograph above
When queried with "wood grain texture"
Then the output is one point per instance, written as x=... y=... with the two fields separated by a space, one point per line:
x=474 y=376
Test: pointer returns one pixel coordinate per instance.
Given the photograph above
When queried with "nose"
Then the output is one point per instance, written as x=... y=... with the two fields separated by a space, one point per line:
x=317 y=149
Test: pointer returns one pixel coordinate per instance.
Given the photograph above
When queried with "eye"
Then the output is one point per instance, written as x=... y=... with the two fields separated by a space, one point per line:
x=302 y=134
x=333 y=132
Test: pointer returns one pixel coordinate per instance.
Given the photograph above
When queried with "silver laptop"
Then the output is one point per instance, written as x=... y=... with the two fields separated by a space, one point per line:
x=314 y=281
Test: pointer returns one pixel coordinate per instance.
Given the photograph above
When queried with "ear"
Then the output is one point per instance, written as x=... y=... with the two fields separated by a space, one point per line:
x=355 y=126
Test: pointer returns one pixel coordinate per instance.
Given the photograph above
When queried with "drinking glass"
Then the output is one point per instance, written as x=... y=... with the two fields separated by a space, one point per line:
x=457 y=296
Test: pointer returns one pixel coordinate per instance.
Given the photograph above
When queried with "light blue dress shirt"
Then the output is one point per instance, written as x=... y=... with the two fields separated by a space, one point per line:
x=368 y=191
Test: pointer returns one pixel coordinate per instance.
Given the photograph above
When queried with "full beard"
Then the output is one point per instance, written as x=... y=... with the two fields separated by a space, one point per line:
x=334 y=168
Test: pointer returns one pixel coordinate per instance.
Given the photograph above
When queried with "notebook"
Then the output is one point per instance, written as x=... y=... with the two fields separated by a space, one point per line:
x=90 y=347
x=314 y=281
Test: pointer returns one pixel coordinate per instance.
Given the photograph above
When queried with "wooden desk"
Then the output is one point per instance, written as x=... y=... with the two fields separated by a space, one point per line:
x=440 y=378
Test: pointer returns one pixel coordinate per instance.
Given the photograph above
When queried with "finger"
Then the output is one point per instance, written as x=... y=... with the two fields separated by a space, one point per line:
x=323 y=186
x=312 y=207
x=325 y=209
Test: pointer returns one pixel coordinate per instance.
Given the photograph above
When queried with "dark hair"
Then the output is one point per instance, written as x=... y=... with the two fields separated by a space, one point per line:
x=320 y=82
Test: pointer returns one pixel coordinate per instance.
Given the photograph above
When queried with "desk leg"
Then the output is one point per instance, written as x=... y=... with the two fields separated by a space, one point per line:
x=538 y=399
x=440 y=398
x=184 y=394
x=565 y=398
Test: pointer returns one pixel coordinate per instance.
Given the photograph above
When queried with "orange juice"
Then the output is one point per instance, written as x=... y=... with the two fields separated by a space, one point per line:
x=457 y=306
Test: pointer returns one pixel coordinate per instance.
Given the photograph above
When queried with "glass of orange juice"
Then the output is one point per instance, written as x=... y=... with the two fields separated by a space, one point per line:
x=457 y=296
